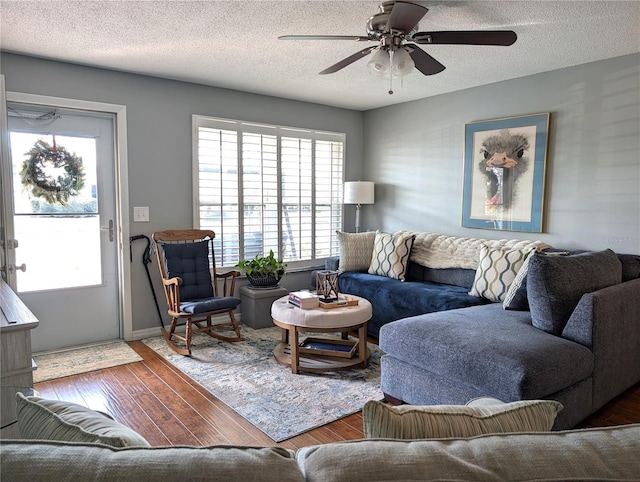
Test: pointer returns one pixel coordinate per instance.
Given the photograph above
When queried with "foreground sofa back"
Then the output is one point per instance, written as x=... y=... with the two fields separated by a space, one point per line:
x=592 y=454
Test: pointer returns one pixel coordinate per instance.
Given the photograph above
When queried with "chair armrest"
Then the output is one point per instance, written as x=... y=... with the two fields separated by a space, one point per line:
x=172 y=292
x=228 y=282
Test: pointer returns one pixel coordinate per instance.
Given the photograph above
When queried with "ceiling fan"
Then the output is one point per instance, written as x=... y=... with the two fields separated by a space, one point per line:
x=394 y=28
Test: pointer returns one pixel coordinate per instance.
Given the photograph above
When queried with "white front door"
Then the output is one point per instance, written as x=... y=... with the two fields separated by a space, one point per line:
x=68 y=245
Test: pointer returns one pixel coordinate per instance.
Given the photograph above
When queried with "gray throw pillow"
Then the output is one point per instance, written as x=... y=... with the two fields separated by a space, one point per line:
x=630 y=266
x=555 y=284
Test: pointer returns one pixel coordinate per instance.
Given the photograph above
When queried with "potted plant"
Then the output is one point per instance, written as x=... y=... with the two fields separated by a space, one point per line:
x=263 y=271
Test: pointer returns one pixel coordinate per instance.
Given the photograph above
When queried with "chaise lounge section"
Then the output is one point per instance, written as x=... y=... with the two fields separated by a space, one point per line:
x=583 y=360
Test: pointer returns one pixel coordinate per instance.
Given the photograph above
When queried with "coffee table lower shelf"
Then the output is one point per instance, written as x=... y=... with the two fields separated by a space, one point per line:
x=318 y=363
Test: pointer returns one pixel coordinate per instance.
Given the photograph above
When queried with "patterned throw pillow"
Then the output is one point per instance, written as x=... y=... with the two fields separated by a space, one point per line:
x=516 y=297
x=409 y=422
x=497 y=268
x=355 y=250
x=391 y=254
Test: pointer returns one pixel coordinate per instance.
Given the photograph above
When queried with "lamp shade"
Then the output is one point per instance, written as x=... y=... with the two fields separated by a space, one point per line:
x=402 y=63
x=380 y=63
x=359 y=192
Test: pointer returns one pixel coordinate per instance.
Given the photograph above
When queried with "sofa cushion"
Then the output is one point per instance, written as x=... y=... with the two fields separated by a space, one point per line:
x=43 y=419
x=555 y=284
x=391 y=254
x=497 y=268
x=393 y=299
x=55 y=461
x=630 y=266
x=356 y=250
x=440 y=421
x=497 y=350
x=592 y=454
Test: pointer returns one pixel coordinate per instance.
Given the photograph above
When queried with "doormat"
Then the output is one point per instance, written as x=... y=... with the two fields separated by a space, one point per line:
x=82 y=360
x=248 y=379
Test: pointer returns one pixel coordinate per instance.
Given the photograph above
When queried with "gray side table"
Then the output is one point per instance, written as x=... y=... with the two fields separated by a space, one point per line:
x=256 y=305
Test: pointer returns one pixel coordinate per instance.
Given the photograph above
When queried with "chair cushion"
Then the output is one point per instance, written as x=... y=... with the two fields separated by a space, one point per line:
x=440 y=421
x=355 y=250
x=210 y=304
x=391 y=254
x=555 y=284
x=43 y=419
x=190 y=262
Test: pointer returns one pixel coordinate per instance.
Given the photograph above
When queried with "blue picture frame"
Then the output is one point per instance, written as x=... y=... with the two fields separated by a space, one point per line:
x=504 y=173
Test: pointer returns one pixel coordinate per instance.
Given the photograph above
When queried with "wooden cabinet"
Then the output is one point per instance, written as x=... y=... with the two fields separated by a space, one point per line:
x=16 y=364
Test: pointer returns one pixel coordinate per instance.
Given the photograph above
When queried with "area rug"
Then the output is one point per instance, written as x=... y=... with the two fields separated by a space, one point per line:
x=75 y=361
x=247 y=378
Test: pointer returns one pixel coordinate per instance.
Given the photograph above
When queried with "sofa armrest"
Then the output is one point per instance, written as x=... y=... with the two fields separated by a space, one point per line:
x=607 y=322
x=332 y=263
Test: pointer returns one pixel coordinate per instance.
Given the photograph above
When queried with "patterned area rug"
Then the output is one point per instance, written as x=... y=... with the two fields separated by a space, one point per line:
x=82 y=360
x=247 y=378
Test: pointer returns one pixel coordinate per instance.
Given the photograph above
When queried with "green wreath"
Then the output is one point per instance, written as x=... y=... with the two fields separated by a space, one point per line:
x=52 y=189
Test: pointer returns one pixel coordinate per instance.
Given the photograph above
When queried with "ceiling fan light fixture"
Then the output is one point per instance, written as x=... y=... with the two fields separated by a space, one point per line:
x=402 y=63
x=380 y=63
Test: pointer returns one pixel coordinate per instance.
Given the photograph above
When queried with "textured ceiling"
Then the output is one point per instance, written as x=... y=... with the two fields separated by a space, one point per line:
x=234 y=44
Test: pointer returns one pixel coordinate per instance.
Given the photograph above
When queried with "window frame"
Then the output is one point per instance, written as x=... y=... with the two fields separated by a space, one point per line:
x=335 y=180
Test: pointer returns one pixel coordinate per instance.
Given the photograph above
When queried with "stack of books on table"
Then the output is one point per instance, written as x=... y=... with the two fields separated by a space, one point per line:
x=304 y=299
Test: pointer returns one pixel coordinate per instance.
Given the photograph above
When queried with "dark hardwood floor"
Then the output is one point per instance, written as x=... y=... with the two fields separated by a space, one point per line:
x=168 y=408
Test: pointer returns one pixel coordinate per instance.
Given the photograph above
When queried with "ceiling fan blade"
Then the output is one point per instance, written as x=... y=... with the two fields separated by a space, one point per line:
x=424 y=62
x=467 y=37
x=405 y=16
x=349 y=60
x=357 y=38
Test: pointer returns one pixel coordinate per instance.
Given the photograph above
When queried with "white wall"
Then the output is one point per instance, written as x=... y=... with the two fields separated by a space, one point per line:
x=159 y=141
x=414 y=152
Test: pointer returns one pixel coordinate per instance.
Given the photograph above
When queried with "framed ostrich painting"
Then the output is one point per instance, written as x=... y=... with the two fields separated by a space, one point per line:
x=504 y=173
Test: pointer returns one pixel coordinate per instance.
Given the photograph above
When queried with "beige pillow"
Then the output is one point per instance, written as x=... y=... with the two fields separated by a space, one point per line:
x=43 y=419
x=355 y=250
x=391 y=254
x=497 y=269
x=447 y=421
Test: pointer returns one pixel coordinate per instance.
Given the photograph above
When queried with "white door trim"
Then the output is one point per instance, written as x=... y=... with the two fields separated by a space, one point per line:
x=122 y=189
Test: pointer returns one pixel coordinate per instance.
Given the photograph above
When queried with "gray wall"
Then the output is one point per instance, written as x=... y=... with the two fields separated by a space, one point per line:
x=593 y=174
x=593 y=163
x=159 y=142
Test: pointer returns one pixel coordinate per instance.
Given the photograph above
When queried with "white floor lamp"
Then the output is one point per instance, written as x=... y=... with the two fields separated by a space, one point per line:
x=358 y=193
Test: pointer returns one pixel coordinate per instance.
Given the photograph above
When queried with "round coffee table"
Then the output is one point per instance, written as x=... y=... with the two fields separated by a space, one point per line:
x=321 y=354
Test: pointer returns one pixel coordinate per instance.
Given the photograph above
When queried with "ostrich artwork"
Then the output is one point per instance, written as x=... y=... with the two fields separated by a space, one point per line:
x=504 y=159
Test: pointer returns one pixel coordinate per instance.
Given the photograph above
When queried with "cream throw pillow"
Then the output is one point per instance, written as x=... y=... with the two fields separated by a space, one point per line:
x=448 y=421
x=43 y=419
x=355 y=250
x=497 y=268
x=391 y=254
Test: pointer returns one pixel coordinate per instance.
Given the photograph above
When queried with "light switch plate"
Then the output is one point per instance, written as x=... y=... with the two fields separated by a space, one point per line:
x=141 y=214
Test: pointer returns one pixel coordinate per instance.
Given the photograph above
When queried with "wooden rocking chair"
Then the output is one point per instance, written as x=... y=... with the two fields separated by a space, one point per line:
x=190 y=284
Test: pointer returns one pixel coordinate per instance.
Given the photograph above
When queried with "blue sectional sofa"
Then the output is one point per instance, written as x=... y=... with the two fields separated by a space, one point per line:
x=572 y=336
x=439 y=274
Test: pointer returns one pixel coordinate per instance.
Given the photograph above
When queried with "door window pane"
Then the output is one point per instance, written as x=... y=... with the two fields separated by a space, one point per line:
x=60 y=244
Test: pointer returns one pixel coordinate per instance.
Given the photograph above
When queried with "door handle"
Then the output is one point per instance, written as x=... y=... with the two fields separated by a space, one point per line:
x=110 y=229
x=15 y=267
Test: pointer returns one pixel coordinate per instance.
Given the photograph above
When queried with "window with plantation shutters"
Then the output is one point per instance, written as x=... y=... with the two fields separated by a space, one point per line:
x=262 y=188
